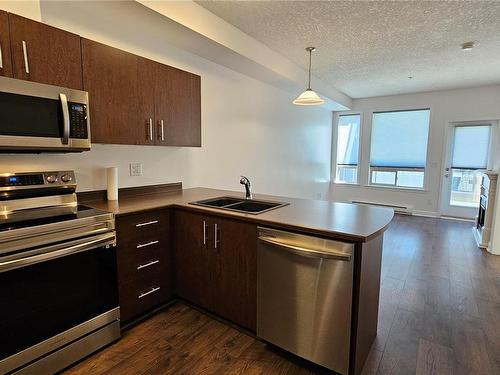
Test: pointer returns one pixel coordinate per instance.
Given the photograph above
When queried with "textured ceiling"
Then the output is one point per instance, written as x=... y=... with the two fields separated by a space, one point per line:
x=371 y=48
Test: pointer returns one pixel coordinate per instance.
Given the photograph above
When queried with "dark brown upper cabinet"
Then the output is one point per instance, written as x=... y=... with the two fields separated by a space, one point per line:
x=5 y=59
x=134 y=100
x=44 y=54
x=120 y=95
x=177 y=107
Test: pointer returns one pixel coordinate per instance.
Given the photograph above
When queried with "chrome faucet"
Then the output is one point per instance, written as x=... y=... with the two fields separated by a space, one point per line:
x=248 y=186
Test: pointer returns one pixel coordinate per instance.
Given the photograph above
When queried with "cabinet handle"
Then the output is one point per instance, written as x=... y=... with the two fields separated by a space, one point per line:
x=161 y=130
x=146 y=223
x=153 y=289
x=25 y=53
x=149 y=131
x=147 y=244
x=141 y=266
x=1 y=57
x=216 y=236
x=205 y=226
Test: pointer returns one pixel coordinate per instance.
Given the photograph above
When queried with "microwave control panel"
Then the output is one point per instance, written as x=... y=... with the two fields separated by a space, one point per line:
x=78 y=121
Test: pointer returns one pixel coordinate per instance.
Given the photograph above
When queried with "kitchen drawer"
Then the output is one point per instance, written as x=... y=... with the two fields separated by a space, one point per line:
x=133 y=262
x=142 y=228
x=143 y=293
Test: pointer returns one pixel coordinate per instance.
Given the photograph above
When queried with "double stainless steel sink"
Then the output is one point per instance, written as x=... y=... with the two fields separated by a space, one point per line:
x=250 y=206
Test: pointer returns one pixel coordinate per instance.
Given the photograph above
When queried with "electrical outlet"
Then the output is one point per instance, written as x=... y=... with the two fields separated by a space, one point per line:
x=135 y=169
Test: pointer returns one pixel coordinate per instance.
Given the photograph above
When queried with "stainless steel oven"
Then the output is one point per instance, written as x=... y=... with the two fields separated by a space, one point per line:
x=58 y=277
x=35 y=117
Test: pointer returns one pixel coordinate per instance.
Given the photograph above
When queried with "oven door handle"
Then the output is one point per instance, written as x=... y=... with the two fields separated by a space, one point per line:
x=56 y=251
x=65 y=112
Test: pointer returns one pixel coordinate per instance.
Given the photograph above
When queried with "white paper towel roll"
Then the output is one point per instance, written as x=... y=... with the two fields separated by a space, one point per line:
x=112 y=173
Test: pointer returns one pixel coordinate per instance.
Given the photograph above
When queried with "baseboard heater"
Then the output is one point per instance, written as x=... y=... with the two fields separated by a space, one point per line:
x=398 y=209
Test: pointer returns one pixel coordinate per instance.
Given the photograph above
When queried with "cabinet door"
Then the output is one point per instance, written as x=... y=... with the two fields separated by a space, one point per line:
x=192 y=259
x=5 y=58
x=235 y=271
x=45 y=54
x=177 y=107
x=120 y=86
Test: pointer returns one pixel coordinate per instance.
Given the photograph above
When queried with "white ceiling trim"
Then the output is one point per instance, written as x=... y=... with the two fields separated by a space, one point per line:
x=210 y=37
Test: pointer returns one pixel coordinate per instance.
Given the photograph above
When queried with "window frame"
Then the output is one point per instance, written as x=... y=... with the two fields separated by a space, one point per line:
x=396 y=170
x=335 y=165
x=424 y=169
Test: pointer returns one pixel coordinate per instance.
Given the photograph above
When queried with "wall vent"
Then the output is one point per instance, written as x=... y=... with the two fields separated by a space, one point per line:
x=398 y=209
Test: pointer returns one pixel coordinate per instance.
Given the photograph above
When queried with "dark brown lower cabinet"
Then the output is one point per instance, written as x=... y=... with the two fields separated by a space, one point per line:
x=216 y=265
x=191 y=257
x=145 y=276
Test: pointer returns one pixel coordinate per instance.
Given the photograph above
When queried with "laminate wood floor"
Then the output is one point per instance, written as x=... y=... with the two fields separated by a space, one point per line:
x=439 y=314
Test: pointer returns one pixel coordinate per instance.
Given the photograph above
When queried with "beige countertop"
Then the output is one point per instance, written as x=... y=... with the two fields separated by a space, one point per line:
x=333 y=219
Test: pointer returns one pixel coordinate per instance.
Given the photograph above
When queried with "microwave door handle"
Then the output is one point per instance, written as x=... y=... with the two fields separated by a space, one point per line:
x=65 y=111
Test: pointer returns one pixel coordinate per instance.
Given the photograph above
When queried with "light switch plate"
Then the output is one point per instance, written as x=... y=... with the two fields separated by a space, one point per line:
x=136 y=169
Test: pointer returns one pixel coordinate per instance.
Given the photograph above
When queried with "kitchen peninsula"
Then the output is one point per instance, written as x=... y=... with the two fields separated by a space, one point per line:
x=208 y=256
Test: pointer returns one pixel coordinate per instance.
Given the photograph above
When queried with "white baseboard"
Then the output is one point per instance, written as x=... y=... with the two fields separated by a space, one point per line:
x=438 y=215
x=425 y=213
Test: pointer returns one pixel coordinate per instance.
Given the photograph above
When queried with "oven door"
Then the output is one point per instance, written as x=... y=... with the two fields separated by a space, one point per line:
x=55 y=295
x=35 y=117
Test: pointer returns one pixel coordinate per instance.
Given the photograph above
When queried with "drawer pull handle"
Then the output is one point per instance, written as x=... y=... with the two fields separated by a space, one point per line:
x=146 y=223
x=141 y=266
x=147 y=244
x=153 y=290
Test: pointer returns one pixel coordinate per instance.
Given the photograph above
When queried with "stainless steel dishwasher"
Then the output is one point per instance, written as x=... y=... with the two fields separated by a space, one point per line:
x=304 y=296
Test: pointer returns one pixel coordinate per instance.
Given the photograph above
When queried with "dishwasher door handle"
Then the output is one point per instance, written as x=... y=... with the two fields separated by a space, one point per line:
x=299 y=250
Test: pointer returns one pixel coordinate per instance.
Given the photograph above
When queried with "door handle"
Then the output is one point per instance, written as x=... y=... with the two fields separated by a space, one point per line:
x=65 y=113
x=308 y=252
x=105 y=240
x=161 y=130
x=216 y=236
x=149 y=129
x=205 y=226
x=25 y=55
x=1 y=57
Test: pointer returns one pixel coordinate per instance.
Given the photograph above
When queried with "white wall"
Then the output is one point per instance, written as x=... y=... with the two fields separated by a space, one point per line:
x=29 y=9
x=446 y=106
x=248 y=127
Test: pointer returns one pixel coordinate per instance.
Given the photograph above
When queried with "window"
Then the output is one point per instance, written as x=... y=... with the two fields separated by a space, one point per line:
x=469 y=157
x=399 y=148
x=347 y=149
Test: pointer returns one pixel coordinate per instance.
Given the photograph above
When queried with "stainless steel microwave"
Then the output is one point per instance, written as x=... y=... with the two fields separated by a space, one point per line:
x=35 y=117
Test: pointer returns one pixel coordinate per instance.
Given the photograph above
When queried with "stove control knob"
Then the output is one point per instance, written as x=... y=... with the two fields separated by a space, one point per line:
x=66 y=178
x=51 y=178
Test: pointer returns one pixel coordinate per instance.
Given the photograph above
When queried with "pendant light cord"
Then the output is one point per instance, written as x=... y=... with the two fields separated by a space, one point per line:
x=310 y=57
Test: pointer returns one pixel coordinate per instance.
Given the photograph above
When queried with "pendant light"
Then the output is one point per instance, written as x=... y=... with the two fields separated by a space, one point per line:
x=309 y=97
